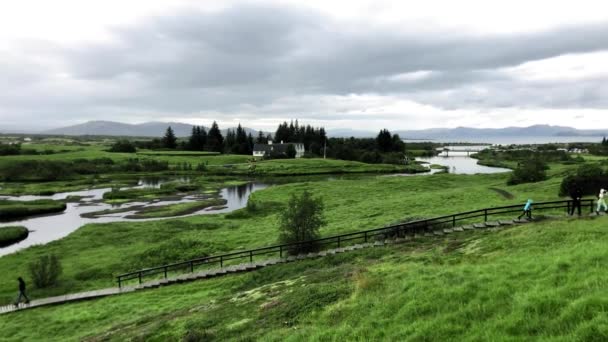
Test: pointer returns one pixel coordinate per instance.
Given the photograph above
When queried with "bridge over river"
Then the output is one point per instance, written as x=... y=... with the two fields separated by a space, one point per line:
x=464 y=148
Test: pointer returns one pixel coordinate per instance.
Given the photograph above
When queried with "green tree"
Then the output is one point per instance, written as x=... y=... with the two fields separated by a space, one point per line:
x=384 y=140
x=529 y=171
x=301 y=222
x=169 y=140
x=45 y=271
x=291 y=151
x=261 y=139
x=215 y=140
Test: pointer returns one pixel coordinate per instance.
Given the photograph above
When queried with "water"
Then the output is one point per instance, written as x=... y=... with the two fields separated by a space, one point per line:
x=46 y=228
x=460 y=163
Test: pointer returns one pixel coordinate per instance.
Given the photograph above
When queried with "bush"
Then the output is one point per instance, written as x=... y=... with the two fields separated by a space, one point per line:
x=123 y=146
x=590 y=178
x=45 y=271
x=301 y=222
x=529 y=171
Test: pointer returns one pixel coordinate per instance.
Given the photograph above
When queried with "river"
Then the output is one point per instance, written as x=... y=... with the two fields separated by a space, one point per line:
x=47 y=228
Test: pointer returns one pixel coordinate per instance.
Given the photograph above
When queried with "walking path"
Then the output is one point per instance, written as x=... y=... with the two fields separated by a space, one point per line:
x=492 y=225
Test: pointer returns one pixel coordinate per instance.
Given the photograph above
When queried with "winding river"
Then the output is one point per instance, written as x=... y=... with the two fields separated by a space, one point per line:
x=47 y=228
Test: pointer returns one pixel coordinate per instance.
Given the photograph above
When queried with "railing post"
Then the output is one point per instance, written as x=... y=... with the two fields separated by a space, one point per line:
x=280 y=251
x=250 y=256
x=139 y=276
x=591 y=206
x=119 y=283
x=191 y=267
x=165 y=272
x=453 y=221
x=221 y=261
x=485 y=215
x=338 y=241
x=365 y=236
x=568 y=207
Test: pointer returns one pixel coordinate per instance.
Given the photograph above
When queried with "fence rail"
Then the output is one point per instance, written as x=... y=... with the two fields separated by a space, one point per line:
x=337 y=241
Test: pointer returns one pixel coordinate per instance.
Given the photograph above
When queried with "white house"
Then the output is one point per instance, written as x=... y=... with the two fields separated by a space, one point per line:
x=270 y=149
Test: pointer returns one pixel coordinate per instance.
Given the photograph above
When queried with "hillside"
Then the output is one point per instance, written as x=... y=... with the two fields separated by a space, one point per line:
x=112 y=128
x=543 y=280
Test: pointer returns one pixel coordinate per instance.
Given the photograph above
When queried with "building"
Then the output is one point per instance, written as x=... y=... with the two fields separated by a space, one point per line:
x=271 y=150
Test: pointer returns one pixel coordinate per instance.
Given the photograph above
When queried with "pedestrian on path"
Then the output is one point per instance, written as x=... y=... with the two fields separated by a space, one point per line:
x=21 y=292
x=601 y=202
x=527 y=210
x=576 y=194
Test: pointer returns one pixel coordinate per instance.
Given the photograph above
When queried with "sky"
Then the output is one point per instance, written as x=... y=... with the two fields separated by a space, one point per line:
x=361 y=65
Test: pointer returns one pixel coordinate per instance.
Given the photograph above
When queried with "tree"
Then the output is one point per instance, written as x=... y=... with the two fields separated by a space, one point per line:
x=124 y=146
x=169 y=140
x=45 y=271
x=261 y=139
x=301 y=222
x=291 y=151
x=215 y=140
x=384 y=140
x=529 y=171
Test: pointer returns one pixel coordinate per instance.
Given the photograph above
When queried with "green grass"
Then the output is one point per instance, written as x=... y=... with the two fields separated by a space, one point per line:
x=543 y=281
x=10 y=210
x=178 y=209
x=12 y=234
x=351 y=205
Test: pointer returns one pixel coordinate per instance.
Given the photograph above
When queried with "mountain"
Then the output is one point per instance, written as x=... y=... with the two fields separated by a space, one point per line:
x=530 y=131
x=146 y=129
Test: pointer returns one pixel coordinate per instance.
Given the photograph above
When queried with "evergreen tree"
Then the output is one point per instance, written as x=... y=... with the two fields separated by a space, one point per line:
x=261 y=138
x=193 y=140
x=230 y=142
x=384 y=140
x=241 y=141
x=169 y=140
x=215 y=140
x=202 y=137
x=250 y=143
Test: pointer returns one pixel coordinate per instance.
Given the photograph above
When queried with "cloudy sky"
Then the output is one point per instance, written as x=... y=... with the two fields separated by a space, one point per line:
x=342 y=64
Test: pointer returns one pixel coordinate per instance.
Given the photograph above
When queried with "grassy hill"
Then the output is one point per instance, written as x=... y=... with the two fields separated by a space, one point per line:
x=543 y=281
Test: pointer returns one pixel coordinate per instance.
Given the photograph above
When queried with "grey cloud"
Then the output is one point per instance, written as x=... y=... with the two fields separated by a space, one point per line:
x=246 y=58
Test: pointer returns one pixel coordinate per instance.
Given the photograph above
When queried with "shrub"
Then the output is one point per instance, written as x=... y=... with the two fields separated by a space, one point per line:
x=590 y=178
x=123 y=146
x=11 y=235
x=45 y=271
x=301 y=222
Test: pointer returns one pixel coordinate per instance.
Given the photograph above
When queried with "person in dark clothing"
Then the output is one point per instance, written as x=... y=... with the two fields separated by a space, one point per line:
x=21 y=292
x=576 y=194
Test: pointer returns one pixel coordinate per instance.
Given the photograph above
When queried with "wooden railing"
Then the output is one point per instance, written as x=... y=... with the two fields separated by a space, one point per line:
x=337 y=241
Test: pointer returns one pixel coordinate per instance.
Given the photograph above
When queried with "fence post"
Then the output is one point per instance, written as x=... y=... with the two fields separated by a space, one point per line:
x=591 y=206
x=453 y=221
x=139 y=276
x=119 y=283
x=338 y=241
x=485 y=215
x=280 y=251
x=365 y=236
x=165 y=272
x=250 y=256
x=221 y=261
x=568 y=207
x=191 y=267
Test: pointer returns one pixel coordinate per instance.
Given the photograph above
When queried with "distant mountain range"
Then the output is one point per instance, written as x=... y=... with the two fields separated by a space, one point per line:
x=146 y=129
x=157 y=129
x=459 y=133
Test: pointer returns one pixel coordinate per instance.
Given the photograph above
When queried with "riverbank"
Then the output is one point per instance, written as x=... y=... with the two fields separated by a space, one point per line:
x=13 y=210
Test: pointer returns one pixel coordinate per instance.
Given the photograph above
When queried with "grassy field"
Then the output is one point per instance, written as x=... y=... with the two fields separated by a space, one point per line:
x=543 y=281
x=10 y=210
x=351 y=205
x=12 y=234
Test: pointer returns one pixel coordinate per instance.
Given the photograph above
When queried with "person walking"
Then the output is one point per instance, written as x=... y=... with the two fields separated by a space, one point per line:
x=527 y=210
x=601 y=202
x=576 y=194
x=21 y=292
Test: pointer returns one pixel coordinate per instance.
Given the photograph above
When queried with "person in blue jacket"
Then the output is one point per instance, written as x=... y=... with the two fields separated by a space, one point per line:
x=527 y=210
